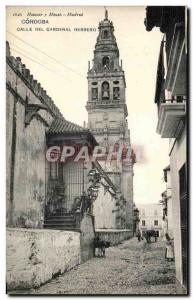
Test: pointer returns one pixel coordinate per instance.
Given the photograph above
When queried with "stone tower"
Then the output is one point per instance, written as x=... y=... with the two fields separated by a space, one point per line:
x=107 y=109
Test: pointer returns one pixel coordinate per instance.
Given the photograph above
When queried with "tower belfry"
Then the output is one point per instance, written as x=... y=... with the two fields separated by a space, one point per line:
x=106 y=105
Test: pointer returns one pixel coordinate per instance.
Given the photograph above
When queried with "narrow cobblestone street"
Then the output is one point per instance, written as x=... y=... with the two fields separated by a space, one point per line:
x=129 y=268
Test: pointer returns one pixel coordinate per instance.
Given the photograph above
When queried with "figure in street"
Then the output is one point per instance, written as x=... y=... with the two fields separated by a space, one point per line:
x=138 y=235
x=169 y=252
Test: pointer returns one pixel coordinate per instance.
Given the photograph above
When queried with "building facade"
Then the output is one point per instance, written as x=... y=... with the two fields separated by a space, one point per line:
x=171 y=99
x=30 y=112
x=107 y=113
x=151 y=218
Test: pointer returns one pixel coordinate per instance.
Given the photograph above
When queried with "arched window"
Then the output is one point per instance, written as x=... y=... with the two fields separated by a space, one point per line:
x=105 y=34
x=105 y=90
x=105 y=62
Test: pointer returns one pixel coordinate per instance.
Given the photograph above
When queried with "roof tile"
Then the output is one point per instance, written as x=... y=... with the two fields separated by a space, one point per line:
x=60 y=125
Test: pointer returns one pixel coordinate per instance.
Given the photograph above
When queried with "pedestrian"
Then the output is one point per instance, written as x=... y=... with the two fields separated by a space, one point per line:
x=138 y=235
x=169 y=253
x=155 y=236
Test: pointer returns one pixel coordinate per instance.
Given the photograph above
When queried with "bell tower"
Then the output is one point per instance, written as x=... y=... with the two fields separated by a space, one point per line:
x=106 y=106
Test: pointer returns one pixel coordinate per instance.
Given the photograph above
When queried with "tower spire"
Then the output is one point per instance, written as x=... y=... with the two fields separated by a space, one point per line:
x=106 y=14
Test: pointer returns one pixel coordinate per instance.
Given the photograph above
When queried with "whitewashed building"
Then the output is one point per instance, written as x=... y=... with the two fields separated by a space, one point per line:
x=171 y=98
x=150 y=216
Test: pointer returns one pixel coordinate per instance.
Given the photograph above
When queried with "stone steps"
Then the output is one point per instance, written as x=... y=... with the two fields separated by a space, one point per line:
x=55 y=219
x=53 y=223
x=61 y=214
x=61 y=221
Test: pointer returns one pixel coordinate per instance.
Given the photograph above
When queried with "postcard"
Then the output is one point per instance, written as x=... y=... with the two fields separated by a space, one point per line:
x=96 y=150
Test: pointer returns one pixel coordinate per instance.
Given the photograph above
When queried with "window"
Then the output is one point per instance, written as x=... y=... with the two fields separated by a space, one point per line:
x=143 y=222
x=155 y=222
x=155 y=212
x=94 y=93
x=105 y=62
x=178 y=98
x=143 y=212
x=105 y=34
x=105 y=90
x=116 y=93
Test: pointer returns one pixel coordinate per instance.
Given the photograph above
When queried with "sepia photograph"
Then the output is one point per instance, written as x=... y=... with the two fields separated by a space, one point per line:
x=97 y=150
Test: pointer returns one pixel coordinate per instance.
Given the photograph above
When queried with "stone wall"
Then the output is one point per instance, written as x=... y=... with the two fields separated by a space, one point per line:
x=87 y=237
x=26 y=145
x=115 y=118
x=114 y=236
x=35 y=256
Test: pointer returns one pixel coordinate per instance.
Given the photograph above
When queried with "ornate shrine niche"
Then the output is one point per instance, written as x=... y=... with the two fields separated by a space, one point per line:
x=105 y=90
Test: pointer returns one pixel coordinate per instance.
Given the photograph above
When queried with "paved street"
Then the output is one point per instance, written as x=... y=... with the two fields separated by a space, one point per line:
x=129 y=268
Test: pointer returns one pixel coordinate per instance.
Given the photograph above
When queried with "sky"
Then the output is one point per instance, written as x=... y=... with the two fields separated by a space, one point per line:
x=64 y=76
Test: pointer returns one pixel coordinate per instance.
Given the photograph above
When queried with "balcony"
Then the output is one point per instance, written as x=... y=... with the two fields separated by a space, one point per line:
x=171 y=113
